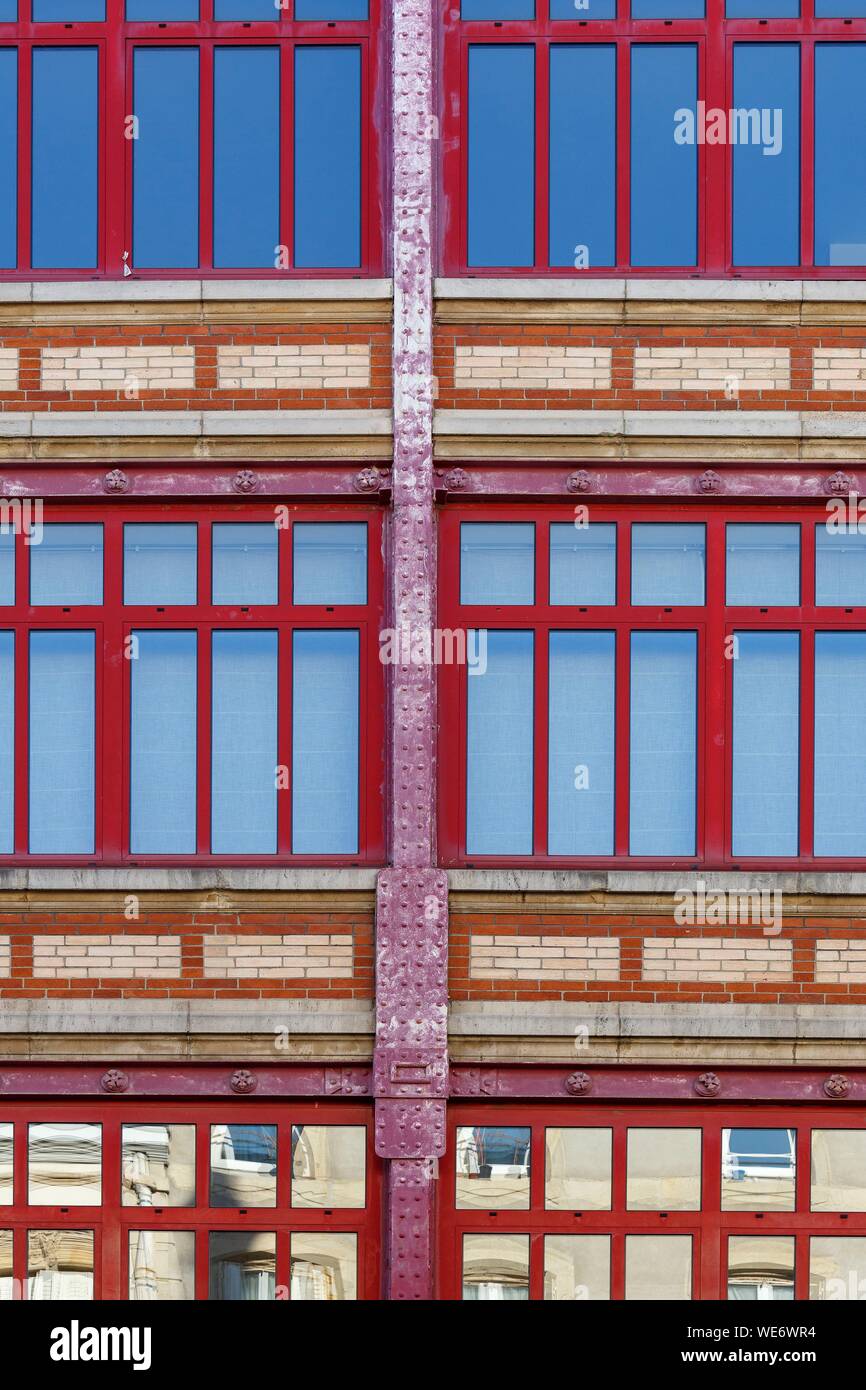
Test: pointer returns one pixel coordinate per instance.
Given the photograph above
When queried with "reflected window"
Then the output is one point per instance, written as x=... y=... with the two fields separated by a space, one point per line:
x=324 y=1267
x=838 y=1170
x=243 y=1166
x=66 y=565
x=158 y=1165
x=577 y=1174
x=664 y=1170
x=160 y=563
x=837 y=1268
x=759 y=1169
x=761 y=1269
x=328 y=1165
x=497 y=562
x=242 y=1266
x=658 y=1268
x=495 y=1268
x=59 y=1266
x=6 y=1277
x=576 y=1268
x=493 y=1167
x=64 y=1163
x=6 y=1136
x=161 y=1266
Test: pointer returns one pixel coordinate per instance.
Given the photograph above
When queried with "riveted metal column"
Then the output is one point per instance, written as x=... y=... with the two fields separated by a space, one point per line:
x=411 y=1059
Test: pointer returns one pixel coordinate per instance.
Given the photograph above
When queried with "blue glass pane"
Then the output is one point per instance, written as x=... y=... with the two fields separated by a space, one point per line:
x=582 y=155
x=66 y=565
x=497 y=9
x=762 y=9
x=247 y=9
x=62 y=747
x=246 y=156
x=583 y=563
x=501 y=155
x=245 y=562
x=330 y=562
x=7 y=741
x=583 y=9
x=667 y=9
x=330 y=9
x=840 y=9
x=766 y=141
x=160 y=562
x=7 y=566
x=840 y=567
x=162 y=807
x=766 y=732
x=8 y=11
x=244 y=743
x=8 y=158
x=497 y=562
x=668 y=563
x=68 y=10
x=325 y=723
x=763 y=563
x=663 y=756
x=664 y=172
x=165 y=158
x=499 y=757
x=328 y=156
x=840 y=700
x=840 y=165
x=158 y=10
x=581 y=758
x=65 y=116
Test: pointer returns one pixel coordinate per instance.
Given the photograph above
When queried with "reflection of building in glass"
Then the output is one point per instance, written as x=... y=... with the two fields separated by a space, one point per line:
x=161 y=1265
x=242 y=1265
x=65 y=1164
x=493 y=1166
x=496 y=1268
x=243 y=1166
x=761 y=1268
x=324 y=1267
x=59 y=1265
x=759 y=1169
x=328 y=1165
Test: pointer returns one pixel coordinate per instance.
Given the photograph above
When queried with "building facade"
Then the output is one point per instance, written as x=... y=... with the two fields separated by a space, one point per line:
x=432 y=442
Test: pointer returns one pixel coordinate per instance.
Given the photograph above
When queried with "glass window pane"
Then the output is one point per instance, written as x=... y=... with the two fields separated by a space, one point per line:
x=60 y=1266
x=327 y=156
x=497 y=9
x=583 y=9
x=761 y=1269
x=165 y=158
x=582 y=717
x=243 y=1266
x=840 y=165
x=161 y=1266
x=62 y=742
x=158 y=1165
x=330 y=562
x=246 y=161
x=658 y=1268
x=66 y=565
x=576 y=1268
x=7 y=563
x=9 y=153
x=64 y=1165
x=160 y=563
x=7 y=1283
x=766 y=179
x=324 y=1267
x=329 y=1165
x=60 y=11
x=245 y=562
x=244 y=743
x=330 y=9
x=7 y=742
x=501 y=155
x=840 y=694
x=668 y=563
x=667 y=9
x=162 y=803
x=837 y=1268
x=759 y=1168
x=499 y=754
x=577 y=1174
x=243 y=1165
x=838 y=1170
x=664 y=1170
x=8 y=11
x=65 y=160
x=6 y=1136
x=664 y=171
x=840 y=9
x=497 y=562
x=762 y=9
x=766 y=737
x=663 y=757
x=583 y=563
x=583 y=153
x=157 y=10
x=245 y=9
x=492 y=1165
x=763 y=564
x=840 y=567
x=325 y=733
x=496 y=1268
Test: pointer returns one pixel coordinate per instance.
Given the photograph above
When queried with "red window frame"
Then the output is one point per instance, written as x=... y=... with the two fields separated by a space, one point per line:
x=713 y=623
x=111 y=1222
x=115 y=40
x=714 y=36
x=113 y=621
x=709 y=1227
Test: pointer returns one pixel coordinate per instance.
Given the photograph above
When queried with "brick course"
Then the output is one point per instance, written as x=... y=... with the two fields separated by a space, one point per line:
x=724 y=958
x=310 y=957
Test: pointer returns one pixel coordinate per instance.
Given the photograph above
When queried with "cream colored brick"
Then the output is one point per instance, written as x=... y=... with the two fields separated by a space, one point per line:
x=108 y=956
x=717 y=959
x=840 y=961
x=527 y=958
x=533 y=367
x=8 y=369
x=293 y=366
x=314 y=956
x=5 y=957
x=103 y=368
x=709 y=369
x=839 y=369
